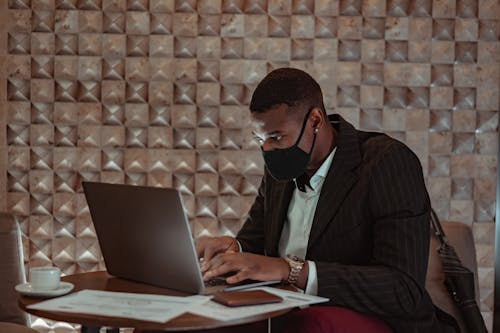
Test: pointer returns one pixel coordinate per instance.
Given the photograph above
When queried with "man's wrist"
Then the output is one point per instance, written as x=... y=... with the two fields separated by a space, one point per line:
x=295 y=265
x=285 y=271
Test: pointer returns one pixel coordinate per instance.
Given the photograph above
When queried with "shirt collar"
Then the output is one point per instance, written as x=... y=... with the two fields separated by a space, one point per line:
x=303 y=182
x=323 y=169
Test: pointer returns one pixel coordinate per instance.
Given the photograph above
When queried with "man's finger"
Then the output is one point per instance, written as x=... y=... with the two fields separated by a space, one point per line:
x=216 y=271
x=240 y=276
x=208 y=255
x=200 y=249
x=200 y=245
x=216 y=261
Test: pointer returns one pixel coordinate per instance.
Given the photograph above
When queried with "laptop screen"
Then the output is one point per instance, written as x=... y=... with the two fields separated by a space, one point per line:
x=144 y=235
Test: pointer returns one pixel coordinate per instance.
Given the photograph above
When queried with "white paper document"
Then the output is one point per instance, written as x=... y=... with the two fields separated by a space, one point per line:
x=156 y=308
x=221 y=312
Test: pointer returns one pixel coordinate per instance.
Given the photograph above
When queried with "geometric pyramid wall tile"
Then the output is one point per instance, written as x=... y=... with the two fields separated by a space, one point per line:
x=63 y=250
x=466 y=29
x=444 y=9
x=42 y=43
x=137 y=46
x=40 y=252
x=87 y=251
x=18 y=90
x=466 y=52
x=396 y=28
x=371 y=51
x=350 y=7
x=136 y=137
x=42 y=67
x=232 y=48
x=66 y=44
x=229 y=207
x=66 y=68
x=467 y=8
x=19 y=43
x=137 y=23
x=41 y=181
x=65 y=136
x=42 y=90
x=398 y=8
x=113 y=114
x=161 y=24
x=18 y=135
x=488 y=30
x=373 y=28
x=18 y=159
x=206 y=184
x=66 y=21
x=208 y=25
x=90 y=21
x=443 y=29
x=42 y=21
x=65 y=182
x=19 y=113
x=113 y=69
x=41 y=158
x=207 y=138
x=325 y=27
x=17 y=181
x=231 y=139
x=113 y=22
x=207 y=161
x=230 y=185
x=41 y=204
x=256 y=7
x=137 y=5
x=90 y=4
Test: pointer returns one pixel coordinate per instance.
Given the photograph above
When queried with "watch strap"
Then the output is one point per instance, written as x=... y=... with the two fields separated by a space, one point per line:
x=296 y=264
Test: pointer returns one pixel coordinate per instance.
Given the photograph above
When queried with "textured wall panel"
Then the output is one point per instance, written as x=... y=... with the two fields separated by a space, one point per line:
x=156 y=93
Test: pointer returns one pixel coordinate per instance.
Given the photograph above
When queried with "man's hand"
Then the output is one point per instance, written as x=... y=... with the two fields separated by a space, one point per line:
x=208 y=247
x=246 y=266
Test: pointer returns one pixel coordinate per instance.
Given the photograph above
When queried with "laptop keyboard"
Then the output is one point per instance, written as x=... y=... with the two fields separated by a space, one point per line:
x=216 y=281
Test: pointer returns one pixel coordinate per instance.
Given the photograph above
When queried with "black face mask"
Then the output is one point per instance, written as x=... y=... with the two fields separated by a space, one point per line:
x=291 y=162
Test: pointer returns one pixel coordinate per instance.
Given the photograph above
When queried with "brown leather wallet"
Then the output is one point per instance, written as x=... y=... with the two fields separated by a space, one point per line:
x=245 y=297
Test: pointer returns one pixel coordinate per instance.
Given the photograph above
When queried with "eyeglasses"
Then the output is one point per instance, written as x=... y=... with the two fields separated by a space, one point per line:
x=261 y=138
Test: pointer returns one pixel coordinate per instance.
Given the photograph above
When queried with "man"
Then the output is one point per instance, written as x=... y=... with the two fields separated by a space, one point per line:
x=340 y=213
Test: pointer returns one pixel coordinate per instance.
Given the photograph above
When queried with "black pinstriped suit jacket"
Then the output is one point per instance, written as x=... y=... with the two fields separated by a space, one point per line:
x=370 y=233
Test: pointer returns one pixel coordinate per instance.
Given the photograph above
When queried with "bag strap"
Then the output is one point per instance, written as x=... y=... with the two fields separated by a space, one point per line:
x=470 y=312
x=438 y=229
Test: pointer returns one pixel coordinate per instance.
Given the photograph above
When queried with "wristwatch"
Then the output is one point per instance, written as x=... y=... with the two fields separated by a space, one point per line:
x=296 y=264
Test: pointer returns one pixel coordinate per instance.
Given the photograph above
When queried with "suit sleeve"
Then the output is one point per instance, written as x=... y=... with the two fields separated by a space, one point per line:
x=251 y=235
x=393 y=282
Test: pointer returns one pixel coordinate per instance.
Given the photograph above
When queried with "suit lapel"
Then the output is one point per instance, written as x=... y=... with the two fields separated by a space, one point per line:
x=339 y=180
x=283 y=194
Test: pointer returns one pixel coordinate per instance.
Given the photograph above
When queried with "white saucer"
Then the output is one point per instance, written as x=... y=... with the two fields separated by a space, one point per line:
x=26 y=290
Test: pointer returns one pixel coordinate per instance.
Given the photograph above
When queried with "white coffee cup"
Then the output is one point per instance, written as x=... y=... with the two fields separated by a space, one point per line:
x=45 y=278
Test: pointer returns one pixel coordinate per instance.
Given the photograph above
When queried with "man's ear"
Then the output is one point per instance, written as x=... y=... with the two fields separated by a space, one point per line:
x=318 y=117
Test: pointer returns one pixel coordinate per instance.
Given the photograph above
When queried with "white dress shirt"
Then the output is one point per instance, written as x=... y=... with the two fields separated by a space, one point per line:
x=297 y=226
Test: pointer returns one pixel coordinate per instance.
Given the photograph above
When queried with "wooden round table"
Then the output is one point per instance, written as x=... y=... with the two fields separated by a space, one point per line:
x=103 y=281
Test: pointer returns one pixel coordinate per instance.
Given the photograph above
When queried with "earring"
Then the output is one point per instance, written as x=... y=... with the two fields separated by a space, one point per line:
x=316 y=131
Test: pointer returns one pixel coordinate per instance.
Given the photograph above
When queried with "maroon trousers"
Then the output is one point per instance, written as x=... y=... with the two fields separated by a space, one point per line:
x=316 y=319
x=329 y=319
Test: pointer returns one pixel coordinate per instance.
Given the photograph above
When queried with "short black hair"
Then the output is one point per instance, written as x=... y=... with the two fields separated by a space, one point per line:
x=289 y=86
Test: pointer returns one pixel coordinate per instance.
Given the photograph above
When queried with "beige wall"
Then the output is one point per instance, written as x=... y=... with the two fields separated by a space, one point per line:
x=156 y=92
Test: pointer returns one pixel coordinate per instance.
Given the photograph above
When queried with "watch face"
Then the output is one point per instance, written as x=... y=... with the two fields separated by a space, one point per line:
x=295 y=258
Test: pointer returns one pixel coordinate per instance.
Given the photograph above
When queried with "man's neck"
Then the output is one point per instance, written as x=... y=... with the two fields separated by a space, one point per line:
x=330 y=136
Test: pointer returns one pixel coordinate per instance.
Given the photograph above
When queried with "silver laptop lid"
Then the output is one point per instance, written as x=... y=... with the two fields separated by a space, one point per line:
x=144 y=235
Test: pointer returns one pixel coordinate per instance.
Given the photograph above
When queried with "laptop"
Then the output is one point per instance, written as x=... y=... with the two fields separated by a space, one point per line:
x=144 y=235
